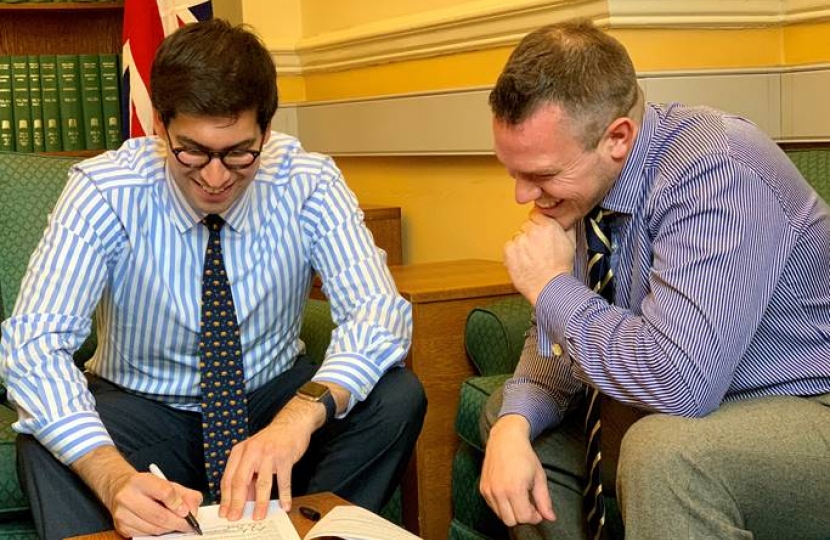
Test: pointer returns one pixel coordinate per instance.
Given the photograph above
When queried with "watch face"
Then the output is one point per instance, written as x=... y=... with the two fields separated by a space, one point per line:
x=313 y=390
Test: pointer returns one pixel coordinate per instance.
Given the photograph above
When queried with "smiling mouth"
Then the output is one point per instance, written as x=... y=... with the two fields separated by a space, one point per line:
x=214 y=191
x=547 y=205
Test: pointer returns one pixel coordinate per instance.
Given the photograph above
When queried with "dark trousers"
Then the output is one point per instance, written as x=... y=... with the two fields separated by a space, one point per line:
x=361 y=457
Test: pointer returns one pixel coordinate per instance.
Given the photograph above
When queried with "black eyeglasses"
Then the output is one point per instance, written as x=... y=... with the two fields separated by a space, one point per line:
x=194 y=158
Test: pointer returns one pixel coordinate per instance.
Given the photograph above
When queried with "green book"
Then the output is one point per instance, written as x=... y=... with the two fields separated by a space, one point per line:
x=22 y=104
x=69 y=95
x=51 y=103
x=91 y=101
x=6 y=105
x=36 y=101
x=111 y=100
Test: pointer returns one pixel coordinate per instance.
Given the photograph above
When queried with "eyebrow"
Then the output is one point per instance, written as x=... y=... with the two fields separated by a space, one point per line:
x=241 y=145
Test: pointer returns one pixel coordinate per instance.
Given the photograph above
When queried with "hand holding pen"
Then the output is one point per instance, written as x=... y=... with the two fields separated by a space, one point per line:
x=190 y=518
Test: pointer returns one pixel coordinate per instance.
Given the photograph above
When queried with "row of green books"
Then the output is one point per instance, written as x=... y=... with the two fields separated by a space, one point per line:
x=63 y=102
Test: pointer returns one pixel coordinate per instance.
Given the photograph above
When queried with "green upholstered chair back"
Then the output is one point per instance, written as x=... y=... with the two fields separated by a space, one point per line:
x=814 y=164
x=29 y=187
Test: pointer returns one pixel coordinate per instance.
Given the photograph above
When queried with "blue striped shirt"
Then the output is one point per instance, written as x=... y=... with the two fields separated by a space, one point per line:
x=722 y=274
x=123 y=239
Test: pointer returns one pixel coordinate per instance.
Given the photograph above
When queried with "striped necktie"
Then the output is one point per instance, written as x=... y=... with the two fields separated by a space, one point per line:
x=224 y=404
x=601 y=280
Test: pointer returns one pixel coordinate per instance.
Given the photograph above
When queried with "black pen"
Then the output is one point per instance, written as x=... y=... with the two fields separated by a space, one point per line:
x=310 y=513
x=190 y=518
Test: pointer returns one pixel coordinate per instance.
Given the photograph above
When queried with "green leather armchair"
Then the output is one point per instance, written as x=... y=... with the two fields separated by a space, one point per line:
x=494 y=336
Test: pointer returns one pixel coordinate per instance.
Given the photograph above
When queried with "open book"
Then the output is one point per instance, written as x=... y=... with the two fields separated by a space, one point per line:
x=347 y=522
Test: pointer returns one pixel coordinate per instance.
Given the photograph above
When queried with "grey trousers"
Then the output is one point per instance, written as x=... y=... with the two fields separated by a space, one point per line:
x=756 y=469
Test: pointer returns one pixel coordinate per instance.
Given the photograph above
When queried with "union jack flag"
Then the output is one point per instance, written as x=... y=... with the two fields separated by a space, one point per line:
x=146 y=23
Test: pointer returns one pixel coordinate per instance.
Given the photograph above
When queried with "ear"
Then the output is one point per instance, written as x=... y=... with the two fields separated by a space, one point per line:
x=267 y=134
x=619 y=137
x=158 y=125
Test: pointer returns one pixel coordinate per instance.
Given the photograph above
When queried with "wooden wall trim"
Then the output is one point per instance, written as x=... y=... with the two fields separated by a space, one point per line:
x=790 y=104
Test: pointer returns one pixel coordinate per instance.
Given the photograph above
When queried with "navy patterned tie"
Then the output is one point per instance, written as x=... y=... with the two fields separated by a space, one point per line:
x=601 y=280
x=224 y=404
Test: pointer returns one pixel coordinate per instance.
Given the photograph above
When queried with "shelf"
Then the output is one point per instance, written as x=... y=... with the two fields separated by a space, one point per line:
x=62 y=6
x=75 y=153
x=61 y=28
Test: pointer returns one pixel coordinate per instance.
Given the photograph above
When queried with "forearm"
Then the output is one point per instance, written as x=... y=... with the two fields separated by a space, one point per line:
x=105 y=471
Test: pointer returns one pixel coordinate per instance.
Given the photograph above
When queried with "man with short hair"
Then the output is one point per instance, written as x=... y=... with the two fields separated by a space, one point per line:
x=198 y=247
x=711 y=311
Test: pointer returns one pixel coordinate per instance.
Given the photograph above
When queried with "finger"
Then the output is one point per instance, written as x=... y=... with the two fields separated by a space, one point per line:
x=192 y=498
x=167 y=494
x=505 y=511
x=236 y=481
x=541 y=496
x=148 y=516
x=284 y=485
x=537 y=216
x=264 y=480
x=225 y=487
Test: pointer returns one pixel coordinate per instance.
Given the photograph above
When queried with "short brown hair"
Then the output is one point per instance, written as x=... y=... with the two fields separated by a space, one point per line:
x=211 y=68
x=574 y=65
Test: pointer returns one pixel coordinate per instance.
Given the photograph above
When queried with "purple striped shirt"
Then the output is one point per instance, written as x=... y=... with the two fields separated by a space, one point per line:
x=722 y=265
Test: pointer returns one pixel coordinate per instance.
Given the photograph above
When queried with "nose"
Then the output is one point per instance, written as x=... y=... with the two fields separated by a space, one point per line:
x=215 y=174
x=525 y=191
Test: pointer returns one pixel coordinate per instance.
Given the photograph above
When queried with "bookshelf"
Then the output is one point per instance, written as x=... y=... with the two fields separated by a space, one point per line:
x=61 y=27
x=35 y=29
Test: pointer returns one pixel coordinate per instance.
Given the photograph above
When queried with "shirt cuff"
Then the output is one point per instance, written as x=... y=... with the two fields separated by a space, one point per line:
x=561 y=298
x=534 y=403
x=72 y=437
x=352 y=373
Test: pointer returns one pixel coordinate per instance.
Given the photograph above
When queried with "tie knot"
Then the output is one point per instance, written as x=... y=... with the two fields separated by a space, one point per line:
x=213 y=222
x=598 y=214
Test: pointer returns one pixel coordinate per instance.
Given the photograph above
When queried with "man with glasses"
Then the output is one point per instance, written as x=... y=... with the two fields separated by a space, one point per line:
x=198 y=247
x=678 y=265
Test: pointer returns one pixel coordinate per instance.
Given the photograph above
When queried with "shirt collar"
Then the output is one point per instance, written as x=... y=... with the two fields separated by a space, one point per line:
x=625 y=193
x=185 y=217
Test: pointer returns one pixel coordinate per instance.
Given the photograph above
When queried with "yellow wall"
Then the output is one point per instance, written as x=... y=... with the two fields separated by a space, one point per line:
x=324 y=16
x=452 y=207
x=806 y=43
x=462 y=207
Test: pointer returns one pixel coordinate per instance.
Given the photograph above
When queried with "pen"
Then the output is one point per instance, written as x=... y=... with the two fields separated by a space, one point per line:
x=310 y=513
x=190 y=518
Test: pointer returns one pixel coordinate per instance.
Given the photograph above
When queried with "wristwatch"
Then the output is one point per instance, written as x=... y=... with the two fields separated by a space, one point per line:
x=320 y=393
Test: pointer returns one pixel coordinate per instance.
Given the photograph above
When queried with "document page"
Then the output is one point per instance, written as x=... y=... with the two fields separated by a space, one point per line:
x=276 y=526
x=356 y=523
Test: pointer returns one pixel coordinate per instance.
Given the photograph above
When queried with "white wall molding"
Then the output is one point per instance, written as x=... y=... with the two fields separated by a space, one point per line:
x=287 y=60
x=471 y=26
x=796 y=11
x=484 y=24
x=787 y=102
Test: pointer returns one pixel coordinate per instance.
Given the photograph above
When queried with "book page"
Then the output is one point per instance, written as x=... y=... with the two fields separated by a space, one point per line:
x=276 y=526
x=356 y=523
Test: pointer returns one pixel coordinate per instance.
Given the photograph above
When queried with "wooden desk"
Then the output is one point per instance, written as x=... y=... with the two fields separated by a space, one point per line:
x=385 y=224
x=323 y=502
x=442 y=294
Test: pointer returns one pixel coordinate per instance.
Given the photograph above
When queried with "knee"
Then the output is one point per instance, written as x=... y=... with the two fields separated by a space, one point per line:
x=656 y=449
x=401 y=397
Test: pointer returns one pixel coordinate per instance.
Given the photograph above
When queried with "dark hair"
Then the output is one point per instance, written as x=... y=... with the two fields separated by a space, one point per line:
x=571 y=64
x=211 y=68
